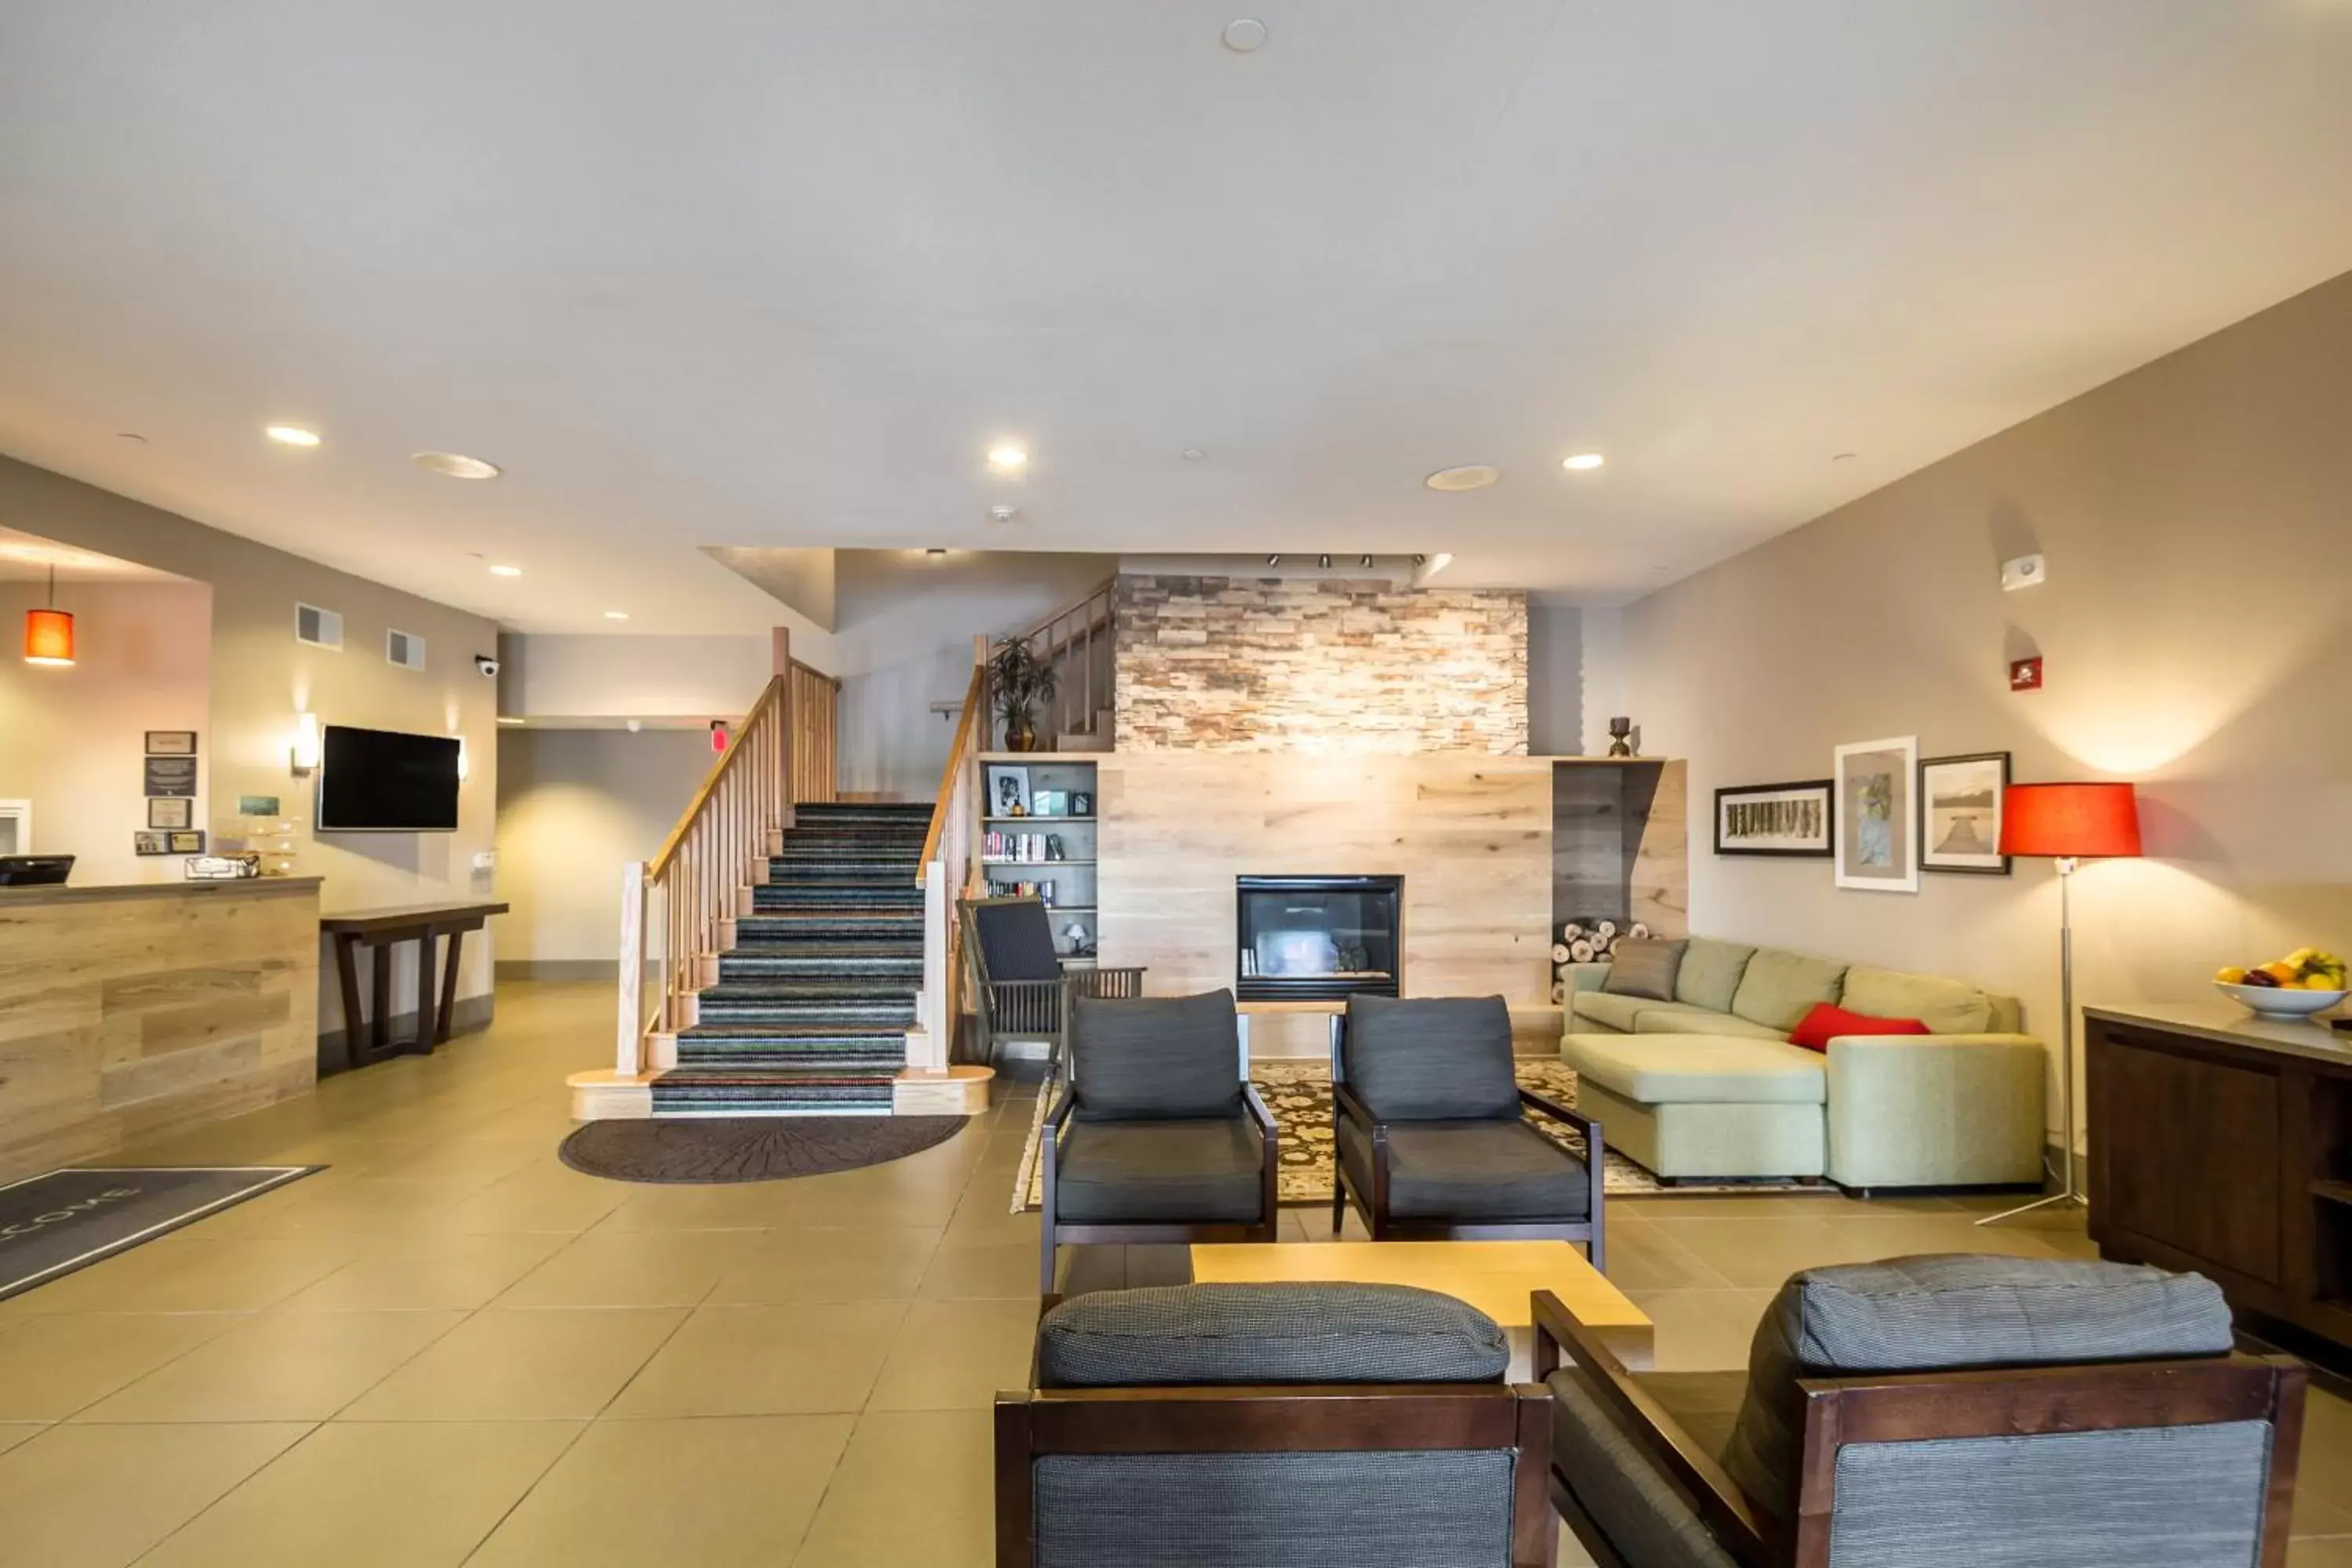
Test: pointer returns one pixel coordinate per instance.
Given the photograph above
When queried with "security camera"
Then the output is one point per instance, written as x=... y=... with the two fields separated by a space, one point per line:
x=486 y=665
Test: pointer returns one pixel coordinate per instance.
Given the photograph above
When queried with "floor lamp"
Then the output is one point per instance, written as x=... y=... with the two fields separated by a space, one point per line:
x=2067 y=823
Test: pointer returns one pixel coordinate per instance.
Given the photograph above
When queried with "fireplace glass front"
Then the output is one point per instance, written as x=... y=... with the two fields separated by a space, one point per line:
x=1316 y=938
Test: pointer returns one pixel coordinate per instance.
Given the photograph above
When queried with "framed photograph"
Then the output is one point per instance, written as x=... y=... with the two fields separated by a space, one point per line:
x=151 y=844
x=171 y=811
x=1050 y=803
x=1878 y=837
x=1960 y=805
x=1081 y=803
x=1008 y=789
x=1785 y=819
x=171 y=743
x=186 y=843
x=171 y=777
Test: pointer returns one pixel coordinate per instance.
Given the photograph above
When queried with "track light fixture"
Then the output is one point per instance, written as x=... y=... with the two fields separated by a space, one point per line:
x=1421 y=560
x=1274 y=559
x=1324 y=562
x=1368 y=563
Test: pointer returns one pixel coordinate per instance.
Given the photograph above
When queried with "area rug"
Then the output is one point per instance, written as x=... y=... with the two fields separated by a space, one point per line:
x=1298 y=1093
x=52 y=1225
x=719 y=1149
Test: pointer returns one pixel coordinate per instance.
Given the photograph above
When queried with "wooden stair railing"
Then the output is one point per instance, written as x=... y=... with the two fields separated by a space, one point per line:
x=1078 y=643
x=949 y=868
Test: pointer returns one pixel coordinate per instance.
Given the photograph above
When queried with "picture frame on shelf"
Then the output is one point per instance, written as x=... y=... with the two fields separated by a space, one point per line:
x=1876 y=835
x=171 y=811
x=1082 y=803
x=1962 y=803
x=1049 y=803
x=1008 y=789
x=1789 y=821
x=171 y=743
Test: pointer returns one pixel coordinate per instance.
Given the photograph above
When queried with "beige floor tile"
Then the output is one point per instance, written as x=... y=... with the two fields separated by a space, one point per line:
x=751 y=1206
x=97 y=1496
x=446 y=1270
x=53 y=1365
x=2320 y=1551
x=714 y=1493
x=879 y=1194
x=14 y=1432
x=632 y=1269
x=1648 y=1257
x=279 y=1366
x=985 y=1216
x=542 y=1197
x=358 y=1206
x=873 y=1263
x=374 y=1495
x=522 y=1364
x=2325 y=1470
x=1702 y=1330
x=184 y=1273
x=993 y=1271
x=913 y=1486
x=956 y=1355
x=2314 y=1514
x=766 y=1361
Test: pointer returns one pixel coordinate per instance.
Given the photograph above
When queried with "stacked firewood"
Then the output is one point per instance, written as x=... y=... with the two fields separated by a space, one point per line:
x=1587 y=941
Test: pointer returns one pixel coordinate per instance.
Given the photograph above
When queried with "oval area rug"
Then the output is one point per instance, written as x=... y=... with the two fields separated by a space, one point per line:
x=715 y=1149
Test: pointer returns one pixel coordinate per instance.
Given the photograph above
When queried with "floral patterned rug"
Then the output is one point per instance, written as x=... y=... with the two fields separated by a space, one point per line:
x=1298 y=1093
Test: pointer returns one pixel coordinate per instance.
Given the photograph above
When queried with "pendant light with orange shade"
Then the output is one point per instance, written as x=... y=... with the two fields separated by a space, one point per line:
x=49 y=632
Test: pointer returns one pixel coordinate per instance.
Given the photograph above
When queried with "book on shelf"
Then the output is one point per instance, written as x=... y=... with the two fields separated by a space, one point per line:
x=1024 y=848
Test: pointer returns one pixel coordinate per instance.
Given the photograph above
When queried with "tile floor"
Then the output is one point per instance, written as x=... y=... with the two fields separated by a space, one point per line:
x=447 y=1348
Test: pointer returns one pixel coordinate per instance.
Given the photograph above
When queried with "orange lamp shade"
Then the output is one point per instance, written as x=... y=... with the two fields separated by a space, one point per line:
x=48 y=637
x=2070 y=820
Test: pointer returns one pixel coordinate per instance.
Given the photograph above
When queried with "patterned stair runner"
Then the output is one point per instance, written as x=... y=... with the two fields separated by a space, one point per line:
x=812 y=1006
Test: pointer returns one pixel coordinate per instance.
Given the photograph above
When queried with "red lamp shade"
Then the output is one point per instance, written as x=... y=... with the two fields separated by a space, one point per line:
x=48 y=637
x=2070 y=820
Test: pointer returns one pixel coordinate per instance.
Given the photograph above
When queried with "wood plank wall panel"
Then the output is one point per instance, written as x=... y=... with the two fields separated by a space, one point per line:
x=1471 y=835
x=814 y=743
x=131 y=1018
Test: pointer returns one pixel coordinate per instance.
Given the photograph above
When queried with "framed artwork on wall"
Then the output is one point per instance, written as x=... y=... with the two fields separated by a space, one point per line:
x=1960 y=804
x=171 y=811
x=1785 y=819
x=171 y=743
x=1877 y=843
x=145 y=843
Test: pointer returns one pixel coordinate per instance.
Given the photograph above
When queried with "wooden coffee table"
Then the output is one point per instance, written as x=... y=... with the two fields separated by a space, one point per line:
x=1496 y=1276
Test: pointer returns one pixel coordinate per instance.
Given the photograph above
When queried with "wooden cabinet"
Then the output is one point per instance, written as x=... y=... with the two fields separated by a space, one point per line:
x=2223 y=1144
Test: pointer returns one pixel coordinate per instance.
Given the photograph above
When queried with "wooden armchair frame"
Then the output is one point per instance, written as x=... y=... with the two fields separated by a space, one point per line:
x=1032 y=1009
x=1918 y=1407
x=1373 y=1206
x=1379 y=1417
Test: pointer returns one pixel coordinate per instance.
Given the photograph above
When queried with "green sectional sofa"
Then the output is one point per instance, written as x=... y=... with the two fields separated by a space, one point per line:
x=1707 y=1086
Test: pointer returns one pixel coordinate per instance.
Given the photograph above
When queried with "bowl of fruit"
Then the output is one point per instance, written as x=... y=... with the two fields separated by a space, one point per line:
x=2304 y=982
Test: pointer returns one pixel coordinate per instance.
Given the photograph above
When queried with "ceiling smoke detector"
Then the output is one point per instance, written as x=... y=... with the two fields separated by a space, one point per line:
x=1002 y=513
x=1468 y=477
x=455 y=466
x=1244 y=34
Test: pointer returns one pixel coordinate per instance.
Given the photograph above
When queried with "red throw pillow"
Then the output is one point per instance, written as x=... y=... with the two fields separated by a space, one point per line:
x=1827 y=1021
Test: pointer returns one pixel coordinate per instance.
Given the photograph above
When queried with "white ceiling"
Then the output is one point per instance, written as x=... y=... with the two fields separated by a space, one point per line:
x=28 y=558
x=765 y=272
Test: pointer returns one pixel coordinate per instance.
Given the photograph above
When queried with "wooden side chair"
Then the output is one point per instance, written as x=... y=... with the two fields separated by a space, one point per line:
x=1999 y=1412
x=1315 y=1426
x=1018 y=979
x=1429 y=1134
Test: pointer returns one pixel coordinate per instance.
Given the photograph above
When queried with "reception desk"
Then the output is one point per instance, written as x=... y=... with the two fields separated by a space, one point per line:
x=130 y=1014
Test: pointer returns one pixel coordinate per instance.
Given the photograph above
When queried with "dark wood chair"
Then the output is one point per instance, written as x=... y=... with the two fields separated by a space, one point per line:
x=1340 y=1451
x=1430 y=1135
x=1019 y=980
x=2054 y=1458
x=1154 y=1135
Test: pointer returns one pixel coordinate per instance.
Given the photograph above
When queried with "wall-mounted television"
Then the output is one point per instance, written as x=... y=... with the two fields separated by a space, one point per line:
x=380 y=781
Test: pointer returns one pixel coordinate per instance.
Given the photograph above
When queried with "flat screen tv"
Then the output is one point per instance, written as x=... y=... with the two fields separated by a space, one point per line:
x=379 y=781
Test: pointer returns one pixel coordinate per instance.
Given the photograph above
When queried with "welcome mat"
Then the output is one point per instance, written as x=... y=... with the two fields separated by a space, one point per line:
x=1298 y=1093
x=52 y=1225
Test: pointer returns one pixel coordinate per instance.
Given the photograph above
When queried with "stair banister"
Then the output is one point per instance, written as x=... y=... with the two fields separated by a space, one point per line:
x=946 y=868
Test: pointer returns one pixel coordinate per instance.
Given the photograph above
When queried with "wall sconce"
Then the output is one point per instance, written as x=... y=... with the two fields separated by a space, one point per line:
x=304 y=754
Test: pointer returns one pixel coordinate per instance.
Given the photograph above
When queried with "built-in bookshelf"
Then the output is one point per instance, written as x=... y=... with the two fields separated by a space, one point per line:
x=1038 y=836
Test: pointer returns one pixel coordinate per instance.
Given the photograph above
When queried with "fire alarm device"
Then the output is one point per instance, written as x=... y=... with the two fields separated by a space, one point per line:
x=2025 y=674
x=2023 y=571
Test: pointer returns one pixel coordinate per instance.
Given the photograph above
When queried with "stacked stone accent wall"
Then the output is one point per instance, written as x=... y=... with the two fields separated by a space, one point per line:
x=1251 y=664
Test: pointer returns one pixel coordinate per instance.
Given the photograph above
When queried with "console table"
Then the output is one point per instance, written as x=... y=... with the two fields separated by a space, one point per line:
x=424 y=924
x=2222 y=1142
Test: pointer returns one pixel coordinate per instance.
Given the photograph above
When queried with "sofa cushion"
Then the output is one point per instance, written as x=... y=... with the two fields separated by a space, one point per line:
x=1828 y=1021
x=1946 y=1006
x=1710 y=971
x=1206 y=1172
x=1682 y=1070
x=1949 y=1313
x=1779 y=987
x=1305 y=1332
x=1681 y=1019
x=1610 y=1011
x=1467 y=1171
x=1430 y=1059
x=1641 y=966
x=1145 y=1057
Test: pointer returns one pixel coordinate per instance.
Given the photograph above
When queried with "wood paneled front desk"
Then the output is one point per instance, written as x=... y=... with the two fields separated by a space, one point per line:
x=2222 y=1142
x=135 y=1013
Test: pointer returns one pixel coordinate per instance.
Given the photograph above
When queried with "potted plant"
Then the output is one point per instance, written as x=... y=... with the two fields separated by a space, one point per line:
x=1021 y=683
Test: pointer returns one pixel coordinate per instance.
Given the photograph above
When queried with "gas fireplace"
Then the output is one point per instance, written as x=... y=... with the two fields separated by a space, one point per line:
x=1315 y=938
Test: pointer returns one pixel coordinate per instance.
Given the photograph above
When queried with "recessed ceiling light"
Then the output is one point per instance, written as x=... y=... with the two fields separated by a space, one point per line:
x=1469 y=476
x=1193 y=454
x=1007 y=458
x=1582 y=461
x=456 y=465
x=616 y=614
x=502 y=570
x=1244 y=34
x=290 y=435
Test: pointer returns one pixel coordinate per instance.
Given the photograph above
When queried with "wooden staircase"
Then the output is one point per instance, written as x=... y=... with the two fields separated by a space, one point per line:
x=1081 y=644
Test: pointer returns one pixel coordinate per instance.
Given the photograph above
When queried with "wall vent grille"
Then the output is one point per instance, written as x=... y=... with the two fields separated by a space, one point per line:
x=319 y=629
x=405 y=650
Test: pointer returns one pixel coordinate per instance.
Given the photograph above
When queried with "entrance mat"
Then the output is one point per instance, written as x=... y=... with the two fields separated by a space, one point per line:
x=719 y=1149
x=1298 y=1093
x=52 y=1225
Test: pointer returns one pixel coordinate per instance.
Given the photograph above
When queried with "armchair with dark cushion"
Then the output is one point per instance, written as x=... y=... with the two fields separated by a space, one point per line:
x=1999 y=1412
x=1313 y=1426
x=1019 y=980
x=1155 y=1137
x=1431 y=1134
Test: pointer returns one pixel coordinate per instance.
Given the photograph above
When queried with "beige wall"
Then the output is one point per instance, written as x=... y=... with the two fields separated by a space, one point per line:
x=261 y=676
x=574 y=805
x=72 y=740
x=2197 y=622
